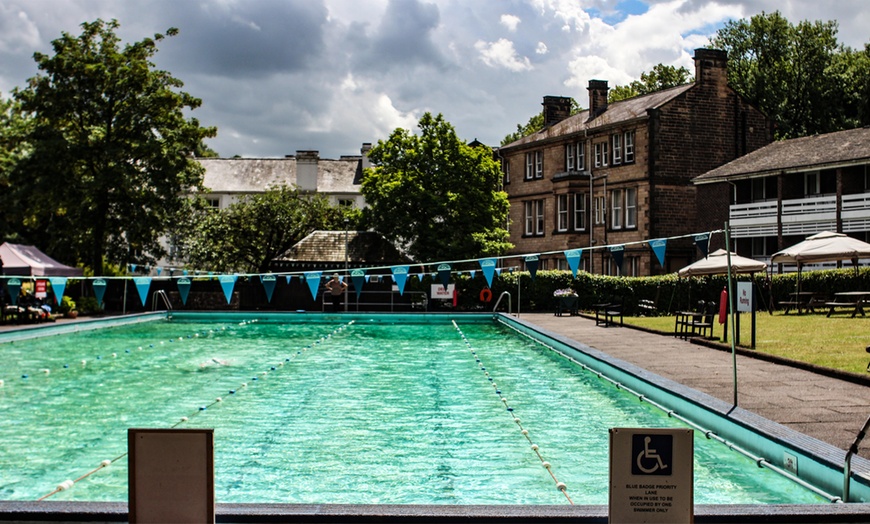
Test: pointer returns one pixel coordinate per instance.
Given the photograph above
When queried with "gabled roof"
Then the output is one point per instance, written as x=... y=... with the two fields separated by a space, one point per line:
x=253 y=175
x=616 y=112
x=363 y=248
x=797 y=155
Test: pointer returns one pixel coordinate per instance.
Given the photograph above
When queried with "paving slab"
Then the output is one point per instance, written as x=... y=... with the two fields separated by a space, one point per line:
x=829 y=408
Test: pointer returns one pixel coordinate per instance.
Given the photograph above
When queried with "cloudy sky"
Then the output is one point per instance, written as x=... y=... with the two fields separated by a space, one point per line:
x=277 y=76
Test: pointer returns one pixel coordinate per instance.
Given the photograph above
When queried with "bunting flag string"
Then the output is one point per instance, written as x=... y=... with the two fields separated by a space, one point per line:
x=99 y=286
x=268 y=282
x=573 y=257
x=143 y=284
x=703 y=243
x=183 y=284
x=400 y=276
x=358 y=277
x=444 y=274
x=658 y=246
x=618 y=252
x=532 y=265
x=312 y=278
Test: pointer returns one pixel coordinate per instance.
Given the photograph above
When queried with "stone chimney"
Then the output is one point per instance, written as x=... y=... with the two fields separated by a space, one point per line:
x=364 y=150
x=597 y=97
x=556 y=109
x=711 y=68
x=306 y=170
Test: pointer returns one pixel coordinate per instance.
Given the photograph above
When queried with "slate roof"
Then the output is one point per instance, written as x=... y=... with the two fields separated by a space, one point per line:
x=365 y=248
x=617 y=112
x=797 y=155
x=254 y=175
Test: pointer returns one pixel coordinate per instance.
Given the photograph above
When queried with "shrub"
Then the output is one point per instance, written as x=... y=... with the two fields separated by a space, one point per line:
x=67 y=304
x=88 y=305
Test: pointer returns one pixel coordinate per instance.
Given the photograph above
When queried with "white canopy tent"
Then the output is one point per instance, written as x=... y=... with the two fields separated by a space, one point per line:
x=823 y=247
x=19 y=259
x=716 y=263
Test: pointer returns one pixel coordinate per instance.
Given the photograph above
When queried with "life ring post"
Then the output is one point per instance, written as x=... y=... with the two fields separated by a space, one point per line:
x=486 y=295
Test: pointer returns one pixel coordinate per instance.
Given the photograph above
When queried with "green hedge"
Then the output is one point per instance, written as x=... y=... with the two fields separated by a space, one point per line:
x=669 y=293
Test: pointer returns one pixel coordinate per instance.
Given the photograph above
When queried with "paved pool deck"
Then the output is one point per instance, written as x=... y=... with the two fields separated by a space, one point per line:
x=828 y=406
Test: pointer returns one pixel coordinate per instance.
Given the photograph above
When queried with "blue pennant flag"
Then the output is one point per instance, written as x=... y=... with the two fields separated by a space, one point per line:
x=228 y=282
x=143 y=284
x=183 y=289
x=58 y=284
x=472 y=273
x=184 y=272
x=268 y=282
x=487 y=265
x=444 y=274
x=617 y=253
x=659 y=246
x=133 y=268
x=289 y=278
x=703 y=243
x=358 y=276
x=13 y=285
x=573 y=257
x=400 y=275
x=313 y=280
x=99 y=286
x=532 y=265
x=159 y=270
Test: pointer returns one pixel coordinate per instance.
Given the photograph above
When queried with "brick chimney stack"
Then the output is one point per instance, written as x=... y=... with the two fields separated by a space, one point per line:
x=364 y=151
x=597 y=97
x=711 y=68
x=556 y=109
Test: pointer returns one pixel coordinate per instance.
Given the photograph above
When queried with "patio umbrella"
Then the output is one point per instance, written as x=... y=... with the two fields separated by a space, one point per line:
x=823 y=247
x=716 y=263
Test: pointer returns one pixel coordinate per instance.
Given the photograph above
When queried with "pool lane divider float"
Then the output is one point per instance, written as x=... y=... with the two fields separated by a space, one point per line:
x=68 y=484
x=99 y=358
x=761 y=462
x=510 y=410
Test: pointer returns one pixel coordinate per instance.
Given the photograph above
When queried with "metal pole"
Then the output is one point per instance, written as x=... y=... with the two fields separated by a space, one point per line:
x=346 y=274
x=731 y=310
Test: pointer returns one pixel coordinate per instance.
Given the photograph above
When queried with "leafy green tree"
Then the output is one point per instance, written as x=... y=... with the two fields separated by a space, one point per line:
x=661 y=77
x=13 y=128
x=800 y=76
x=111 y=150
x=246 y=236
x=435 y=196
x=535 y=124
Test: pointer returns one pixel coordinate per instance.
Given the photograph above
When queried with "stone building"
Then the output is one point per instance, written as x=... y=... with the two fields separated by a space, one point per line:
x=621 y=173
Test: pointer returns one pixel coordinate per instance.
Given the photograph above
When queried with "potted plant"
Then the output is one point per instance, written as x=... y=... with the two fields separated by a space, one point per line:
x=566 y=300
x=67 y=307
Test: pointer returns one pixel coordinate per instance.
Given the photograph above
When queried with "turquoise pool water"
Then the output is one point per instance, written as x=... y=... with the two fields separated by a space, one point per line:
x=323 y=410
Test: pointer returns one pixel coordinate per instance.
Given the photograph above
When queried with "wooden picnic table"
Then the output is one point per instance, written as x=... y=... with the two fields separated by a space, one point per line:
x=853 y=300
x=803 y=301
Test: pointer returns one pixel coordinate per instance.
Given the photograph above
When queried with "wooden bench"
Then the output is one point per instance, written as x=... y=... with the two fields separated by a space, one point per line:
x=606 y=314
x=854 y=306
x=647 y=308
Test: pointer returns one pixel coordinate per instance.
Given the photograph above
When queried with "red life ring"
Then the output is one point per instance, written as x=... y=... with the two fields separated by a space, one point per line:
x=486 y=295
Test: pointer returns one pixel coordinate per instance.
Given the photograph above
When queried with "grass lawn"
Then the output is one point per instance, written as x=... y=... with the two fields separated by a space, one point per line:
x=837 y=342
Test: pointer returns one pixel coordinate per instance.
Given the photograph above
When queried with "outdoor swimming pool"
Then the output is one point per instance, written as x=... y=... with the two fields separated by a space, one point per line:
x=336 y=409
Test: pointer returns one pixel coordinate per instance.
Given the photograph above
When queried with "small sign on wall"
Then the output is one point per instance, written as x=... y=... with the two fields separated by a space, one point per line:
x=651 y=478
x=439 y=292
x=171 y=475
x=744 y=297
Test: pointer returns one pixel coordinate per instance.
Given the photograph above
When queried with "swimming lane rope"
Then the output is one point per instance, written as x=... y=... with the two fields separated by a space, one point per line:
x=710 y=434
x=68 y=484
x=512 y=412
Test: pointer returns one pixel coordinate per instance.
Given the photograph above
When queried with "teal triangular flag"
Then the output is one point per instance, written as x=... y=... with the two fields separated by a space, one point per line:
x=658 y=246
x=617 y=253
x=183 y=289
x=358 y=276
x=703 y=243
x=400 y=275
x=99 y=286
x=487 y=265
x=58 y=284
x=532 y=265
x=13 y=285
x=133 y=268
x=142 y=286
x=268 y=282
x=228 y=282
x=313 y=280
x=573 y=257
x=184 y=272
x=289 y=277
x=444 y=274
x=471 y=274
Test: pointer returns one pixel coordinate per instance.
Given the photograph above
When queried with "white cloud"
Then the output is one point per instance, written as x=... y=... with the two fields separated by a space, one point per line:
x=541 y=48
x=510 y=21
x=502 y=54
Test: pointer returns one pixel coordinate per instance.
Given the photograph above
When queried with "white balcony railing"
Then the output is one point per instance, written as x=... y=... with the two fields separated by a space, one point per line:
x=800 y=216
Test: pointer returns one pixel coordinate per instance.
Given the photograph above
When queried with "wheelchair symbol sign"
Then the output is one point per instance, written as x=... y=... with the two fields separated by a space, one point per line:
x=652 y=454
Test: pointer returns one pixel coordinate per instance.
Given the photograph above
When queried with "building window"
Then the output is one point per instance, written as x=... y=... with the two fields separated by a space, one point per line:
x=530 y=166
x=213 y=202
x=534 y=217
x=597 y=155
x=575 y=157
x=616 y=209
x=812 y=184
x=762 y=189
x=534 y=165
x=631 y=265
x=506 y=170
x=579 y=211
x=346 y=203
x=631 y=207
x=599 y=210
x=539 y=164
x=617 y=149
x=628 y=152
x=562 y=213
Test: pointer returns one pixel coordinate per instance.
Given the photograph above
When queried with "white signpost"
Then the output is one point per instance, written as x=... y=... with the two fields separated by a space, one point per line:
x=440 y=292
x=651 y=477
x=744 y=297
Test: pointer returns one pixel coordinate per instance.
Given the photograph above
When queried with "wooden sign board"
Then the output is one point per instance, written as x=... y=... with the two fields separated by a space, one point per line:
x=651 y=475
x=171 y=475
